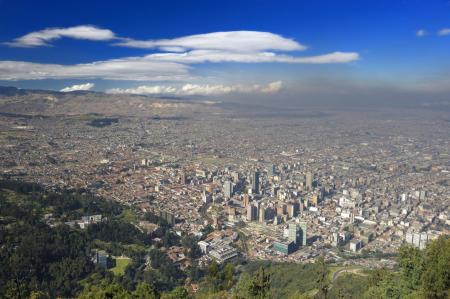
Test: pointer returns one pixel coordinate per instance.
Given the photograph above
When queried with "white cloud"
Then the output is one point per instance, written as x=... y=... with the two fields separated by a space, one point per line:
x=233 y=46
x=153 y=67
x=130 y=68
x=238 y=41
x=272 y=87
x=444 y=31
x=201 y=56
x=335 y=57
x=144 y=89
x=200 y=89
x=421 y=33
x=173 y=61
x=42 y=37
x=86 y=86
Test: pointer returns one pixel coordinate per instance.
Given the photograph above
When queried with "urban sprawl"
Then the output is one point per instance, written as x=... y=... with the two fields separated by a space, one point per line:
x=272 y=188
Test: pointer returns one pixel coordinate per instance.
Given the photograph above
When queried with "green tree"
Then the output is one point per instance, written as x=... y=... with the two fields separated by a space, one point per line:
x=228 y=275
x=213 y=270
x=386 y=284
x=411 y=262
x=189 y=242
x=374 y=292
x=322 y=280
x=177 y=293
x=105 y=291
x=256 y=286
x=377 y=276
x=298 y=295
x=260 y=286
x=243 y=286
x=39 y=295
x=436 y=277
x=145 y=291
x=213 y=278
x=194 y=272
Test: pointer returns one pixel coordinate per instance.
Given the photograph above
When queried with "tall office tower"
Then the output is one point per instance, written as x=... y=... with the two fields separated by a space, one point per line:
x=183 y=178
x=292 y=209
x=235 y=176
x=302 y=233
x=273 y=190
x=252 y=212
x=262 y=214
x=255 y=182
x=422 y=194
x=270 y=170
x=282 y=176
x=301 y=207
x=293 y=233
x=309 y=179
x=281 y=210
x=228 y=189
x=246 y=200
x=314 y=199
x=296 y=208
x=206 y=197
x=352 y=216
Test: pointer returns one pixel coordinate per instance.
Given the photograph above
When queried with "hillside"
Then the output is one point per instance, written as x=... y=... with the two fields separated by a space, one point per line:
x=50 y=103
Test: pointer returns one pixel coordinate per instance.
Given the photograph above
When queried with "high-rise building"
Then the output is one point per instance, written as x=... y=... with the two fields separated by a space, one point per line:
x=235 y=176
x=309 y=179
x=262 y=214
x=206 y=197
x=292 y=209
x=183 y=178
x=302 y=234
x=417 y=239
x=281 y=209
x=270 y=170
x=231 y=213
x=255 y=182
x=301 y=207
x=228 y=189
x=314 y=199
x=422 y=195
x=284 y=247
x=144 y=162
x=355 y=245
x=293 y=233
x=252 y=212
x=246 y=200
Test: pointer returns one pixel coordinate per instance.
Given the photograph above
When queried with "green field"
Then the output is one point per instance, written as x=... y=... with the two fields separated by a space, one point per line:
x=121 y=264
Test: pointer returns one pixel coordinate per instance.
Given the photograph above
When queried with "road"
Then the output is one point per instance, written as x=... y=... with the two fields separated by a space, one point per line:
x=356 y=271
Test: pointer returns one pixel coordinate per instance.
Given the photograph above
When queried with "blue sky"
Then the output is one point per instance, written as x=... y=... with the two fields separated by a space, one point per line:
x=314 y=46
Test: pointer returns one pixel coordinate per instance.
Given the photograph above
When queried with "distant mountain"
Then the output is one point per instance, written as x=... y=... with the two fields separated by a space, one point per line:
x=11 y=91
x=46 y=102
